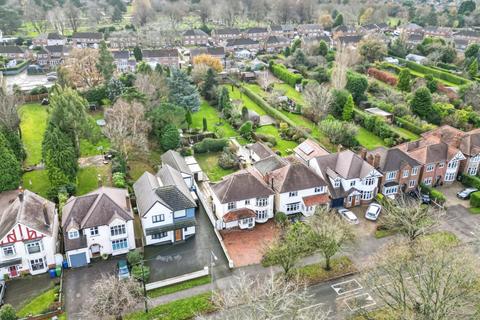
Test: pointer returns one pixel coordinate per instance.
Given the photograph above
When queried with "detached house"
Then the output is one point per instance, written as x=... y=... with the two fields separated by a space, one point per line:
x=98 y=223
x=242 y=44
x=309 y=149
x=195 y=37
x=56 y=55
x=351 y=180
x=28 y=233
x=400 y=172
x=177 y=162
x=440 y=161
x=87 y=39
x=166 y=57
x=242 y=199
x=122 y=61
x=166 y=206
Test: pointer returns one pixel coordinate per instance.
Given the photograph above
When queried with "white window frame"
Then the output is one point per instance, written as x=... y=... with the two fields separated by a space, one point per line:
x=118 y=230
x=427 y=181
x=9 y=248
x=369 y=181
x=231 y=205
x=453 y=164
x=124 y=240
x=247 y=202
x=73 y=234
x=414 y=171
x=441 y=164
x=261 y=214
x=34 y=245
x=472 y=170
x=37 y=264
x=292 y=207
x=292 y=194
x=336 y=184
x=93 y=231
x=262 y=202
x=391 y=190
x=158 y=218
x=412 y=183
x=429 y=167
x=391 y=175
x=406 y=173
x=160 y=235
x=352 y=183
x=450 y=176
x=319 y=189
x=367 y=195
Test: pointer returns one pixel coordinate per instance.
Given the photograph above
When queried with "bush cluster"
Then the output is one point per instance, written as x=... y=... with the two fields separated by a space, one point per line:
x=434 y=194
x=471 y=181
x=475 y=199
x=281 y=72
x=447 y=76
x=383 y=76
x=210 y=145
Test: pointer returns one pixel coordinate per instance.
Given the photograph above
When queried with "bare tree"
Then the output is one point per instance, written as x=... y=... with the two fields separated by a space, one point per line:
x=266 y=297
x=345 y=57
x=72 y=13
x=204 y=10
x=431 y=281
x=317 y=101
x=112 y=298
x=37 y=16
x=81 y=66
x=282 y=10
x=142 y=10
x=57 y=19
x=409 y=217
x=331 y=233
x=127 y=127
x=8 y=111
x=154 y=86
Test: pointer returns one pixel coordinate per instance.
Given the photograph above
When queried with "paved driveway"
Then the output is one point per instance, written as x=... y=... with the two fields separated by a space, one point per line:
x=78 y=284
x=450 y=192
x=170 y=260
x=21 y=290
x=462 y=223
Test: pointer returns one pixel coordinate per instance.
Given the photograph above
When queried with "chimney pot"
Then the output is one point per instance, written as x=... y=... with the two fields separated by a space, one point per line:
x=20 y=193
x=370 y=159
x=376 y=161
x=363 y=153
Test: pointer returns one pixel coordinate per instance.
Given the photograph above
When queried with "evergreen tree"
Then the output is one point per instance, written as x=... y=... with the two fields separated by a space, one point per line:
x=188 y=119
x=296 y=44
x=117 y=14
x=205 y=124
x=473 y=69
x=144 y=68
x=105 y=62
x=170 y=138
x=14 y=143
x=9 y=167
x=209 y=84
x=182 y=92
x=356 y=85
x=322 y=48
x=404 y=80
x=347 y=114
x=137 y=53
x=338 y=21
x=431 y=83
x=472 y=50
x=339 y=99
x=421 y=103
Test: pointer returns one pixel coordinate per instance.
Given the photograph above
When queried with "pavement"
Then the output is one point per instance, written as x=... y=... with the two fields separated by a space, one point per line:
x=462 y=223
x=21 y=290
x=170 y=260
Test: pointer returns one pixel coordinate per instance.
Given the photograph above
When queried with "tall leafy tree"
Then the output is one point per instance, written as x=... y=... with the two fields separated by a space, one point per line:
x=421 y=103
x=105 y=62
x=322 y=48
x=347 y=113
x=182 y=92
x=9 y=167
x=357 y=85
x=14 y=143
x=170 y=138
x=473 y=68
x=339 y=99
x=209 y=84
x=404 y=80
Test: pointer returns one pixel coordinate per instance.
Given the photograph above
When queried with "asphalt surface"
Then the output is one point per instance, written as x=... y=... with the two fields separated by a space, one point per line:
x=21 y=290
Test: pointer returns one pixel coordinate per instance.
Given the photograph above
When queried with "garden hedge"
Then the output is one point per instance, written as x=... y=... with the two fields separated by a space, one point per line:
x=447 y=76
x=281 y=72
x=210 y=145
x=471 y=181
x=435 y=195
x=475 y=199
x=403 y=123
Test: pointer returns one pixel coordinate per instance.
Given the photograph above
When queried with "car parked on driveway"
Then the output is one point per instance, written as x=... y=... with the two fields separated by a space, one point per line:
x=122 y=270
x=425 y=198
x=373 y=211
x=348 y=215
x=3 y=288
x=466 y=193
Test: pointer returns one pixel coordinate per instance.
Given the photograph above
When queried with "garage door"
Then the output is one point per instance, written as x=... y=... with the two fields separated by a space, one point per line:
x=78 y=260
x=337 y=203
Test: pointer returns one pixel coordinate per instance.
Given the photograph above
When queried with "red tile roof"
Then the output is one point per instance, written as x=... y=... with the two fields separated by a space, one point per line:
x=316 y=199
x=238 y=214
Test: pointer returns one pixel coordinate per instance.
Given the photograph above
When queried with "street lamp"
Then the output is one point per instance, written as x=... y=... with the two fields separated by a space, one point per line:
x=213 y=258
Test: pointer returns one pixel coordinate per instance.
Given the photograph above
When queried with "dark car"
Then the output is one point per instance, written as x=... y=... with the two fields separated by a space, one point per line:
x=425 y=198
x=466 y=193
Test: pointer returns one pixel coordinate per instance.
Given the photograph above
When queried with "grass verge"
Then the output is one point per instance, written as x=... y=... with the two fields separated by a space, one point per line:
x=209 y=164
x=37 y=181
x=177 y=310
x=179 y=286
x=39 y=304
x=87 y=178
x=315 y=273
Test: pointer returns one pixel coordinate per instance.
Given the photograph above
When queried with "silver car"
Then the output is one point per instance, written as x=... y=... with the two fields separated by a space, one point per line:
x=348 y=215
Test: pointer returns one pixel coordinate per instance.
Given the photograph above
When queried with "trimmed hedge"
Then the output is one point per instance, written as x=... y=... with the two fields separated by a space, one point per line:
x=471 y=181
x=447 y=76
x=435 y=195
x=281 y=72
x=210 y=145
x=475 y=199
x=403 y=123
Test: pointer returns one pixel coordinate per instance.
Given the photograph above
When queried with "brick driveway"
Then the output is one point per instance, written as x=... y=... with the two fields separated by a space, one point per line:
x=246 y=247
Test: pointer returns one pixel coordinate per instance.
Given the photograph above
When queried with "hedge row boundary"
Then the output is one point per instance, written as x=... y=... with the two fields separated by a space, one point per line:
x=446 y=76
x=281 y=72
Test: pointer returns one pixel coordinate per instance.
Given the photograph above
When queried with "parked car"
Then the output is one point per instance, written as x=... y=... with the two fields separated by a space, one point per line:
x=373 y=211
x=466 y=193
x=3 y=288
x=348 y=215
x=425 y=198
x=52 y=78
x=122 y=270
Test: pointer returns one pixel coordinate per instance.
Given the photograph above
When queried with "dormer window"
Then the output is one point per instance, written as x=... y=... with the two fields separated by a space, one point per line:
x=73 y=234
x=337 y=184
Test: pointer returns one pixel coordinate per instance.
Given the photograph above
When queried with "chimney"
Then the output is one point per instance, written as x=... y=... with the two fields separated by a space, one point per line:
x=339 y=148
x=271 y=182
x=45 y=214
x=370 y=159
x=127 y=202
x=376 y=161
x=363 y=153
x=20 y=193
x=99 y=180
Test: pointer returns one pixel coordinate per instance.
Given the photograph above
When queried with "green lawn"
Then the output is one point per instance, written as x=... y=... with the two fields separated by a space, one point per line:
x=247 y=102
x=37 y=181
x=179 y=286
x=368 y=139
x=137 y=168
x=404 y=133
x=315 y=273
x=33 y=122
x=213 y=120
x=87 y=178
x=474 y=210
x=209 y=164
x=290 y=92
x=284 y=146
x=88 y=149
x=39 y=304
x=182 y=309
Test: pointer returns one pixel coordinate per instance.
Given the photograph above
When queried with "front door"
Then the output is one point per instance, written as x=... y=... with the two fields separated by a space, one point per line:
x=12 y=270
x=178 y=235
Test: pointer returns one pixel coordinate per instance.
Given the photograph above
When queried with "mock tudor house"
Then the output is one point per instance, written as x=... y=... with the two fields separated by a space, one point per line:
x=298 y=189
x=351 y=180
x=166 y=57
x=28 y=233
x=242 y=199
x=96 y=224
x=440 y=161
x=195 y=37
x=87 y=39
x=166 y=206
x=467 y=142
x=400 y=172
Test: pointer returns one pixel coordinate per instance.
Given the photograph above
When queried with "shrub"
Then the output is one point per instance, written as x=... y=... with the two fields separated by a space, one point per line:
x=7 y=312
x=134 y=257
x=119 y=164
x=138 y=271
x=246 y=130
x=266 y=138
x=339 y=132
x=436 y=195
x=446 y=76
x=281 y=72
x=382 y=76
x=281 y=218
x=96 y=94
x=228 y=160
x=119 y=180
x=475 y=199
x=39 y=90
x=210 y=145
x=471 y=181
x=357 y=85
x=413 y=124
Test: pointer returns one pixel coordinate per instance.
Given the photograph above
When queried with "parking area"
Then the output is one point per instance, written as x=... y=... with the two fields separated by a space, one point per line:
x=171 y=260
x=462 y=223
x=450 y=191
x=246 y=247
x=352 y=296
x=21 y=290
